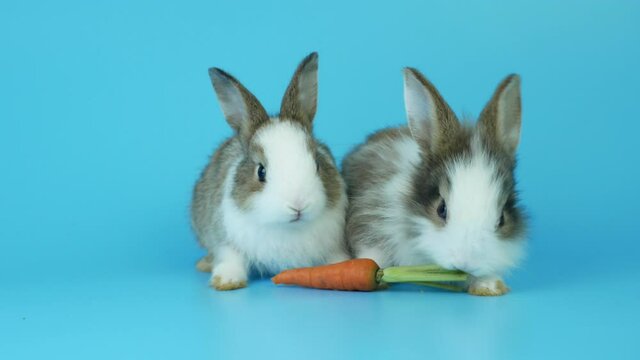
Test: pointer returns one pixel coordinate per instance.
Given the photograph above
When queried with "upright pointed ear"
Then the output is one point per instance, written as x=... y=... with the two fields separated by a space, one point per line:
x=500 y=120
x=241 y=109
x=431 y=120
x=301 y=98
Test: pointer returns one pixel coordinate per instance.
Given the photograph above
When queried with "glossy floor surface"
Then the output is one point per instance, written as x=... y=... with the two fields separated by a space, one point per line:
x=107 y=117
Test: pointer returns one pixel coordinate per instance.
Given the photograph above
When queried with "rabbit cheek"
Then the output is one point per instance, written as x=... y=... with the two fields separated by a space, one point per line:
x=246 y=185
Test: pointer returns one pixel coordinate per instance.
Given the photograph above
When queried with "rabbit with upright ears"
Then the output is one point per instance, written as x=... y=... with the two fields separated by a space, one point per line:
x=271 y=196
x=440 y=191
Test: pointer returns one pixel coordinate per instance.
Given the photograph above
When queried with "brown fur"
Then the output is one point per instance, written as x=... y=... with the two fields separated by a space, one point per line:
x=360 y=175
x=256 y=114
x=358 y=160
x=245 y=183
x=205 y=263
x=388 y=134
x=430 y=180
x=208 y=192
x=329 y=175
x=297 y=105
x=487 y=121
x=448 y=126
x=373 y=163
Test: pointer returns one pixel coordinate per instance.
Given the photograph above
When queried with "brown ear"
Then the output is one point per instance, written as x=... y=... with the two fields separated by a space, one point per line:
x=430 y=118
x=500 y=121
x=243 y=111
x=300 y=100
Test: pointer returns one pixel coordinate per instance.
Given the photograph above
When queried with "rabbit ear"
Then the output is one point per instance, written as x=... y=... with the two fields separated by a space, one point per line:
x=301 y=98
x=500 y=121
x=241 y=109
x=430 y=118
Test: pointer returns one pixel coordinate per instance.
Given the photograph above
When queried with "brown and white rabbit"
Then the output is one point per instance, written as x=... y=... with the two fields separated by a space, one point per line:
x=440 y=191
x=271 y=196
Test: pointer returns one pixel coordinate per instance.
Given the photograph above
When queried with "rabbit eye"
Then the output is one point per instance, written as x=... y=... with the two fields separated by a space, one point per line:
x=501 y=221
x=442 y=210
x=262 y=173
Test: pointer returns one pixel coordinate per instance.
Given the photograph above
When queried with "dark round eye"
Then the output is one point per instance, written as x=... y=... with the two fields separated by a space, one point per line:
x=262 y=173
x=501 y=221
x=442 y=210
x=317 y=166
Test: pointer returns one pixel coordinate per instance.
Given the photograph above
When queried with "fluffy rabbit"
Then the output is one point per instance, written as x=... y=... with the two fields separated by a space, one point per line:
x=271 y=196
x=439 y=191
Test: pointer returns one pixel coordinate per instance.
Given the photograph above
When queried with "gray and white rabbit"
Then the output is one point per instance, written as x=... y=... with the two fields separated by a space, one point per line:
x=271 y=196
x=440 y=191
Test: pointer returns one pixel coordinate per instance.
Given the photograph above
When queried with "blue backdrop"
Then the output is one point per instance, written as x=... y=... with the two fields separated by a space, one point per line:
x=107 y=116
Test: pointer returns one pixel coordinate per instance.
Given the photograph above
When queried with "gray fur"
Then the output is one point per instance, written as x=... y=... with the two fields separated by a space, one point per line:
x=500 y=120
x=243 y=111
x=366 y=170
x=441 y=139
x=301 y=97
x=240 y=154
x=209 y=189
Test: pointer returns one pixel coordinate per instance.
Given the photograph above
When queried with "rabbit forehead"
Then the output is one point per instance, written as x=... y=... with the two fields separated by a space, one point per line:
x=475 y=188
x=480 y=178
x=284 y=143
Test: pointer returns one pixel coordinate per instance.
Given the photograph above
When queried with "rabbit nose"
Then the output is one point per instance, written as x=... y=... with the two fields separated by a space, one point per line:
x=297 y=213
x=298 y=205
x=295 y=209
x=298 y=209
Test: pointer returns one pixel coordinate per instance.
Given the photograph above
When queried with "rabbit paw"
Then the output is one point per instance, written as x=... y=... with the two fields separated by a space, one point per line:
x=488 y=287
x=228 y=276
x=204 y=264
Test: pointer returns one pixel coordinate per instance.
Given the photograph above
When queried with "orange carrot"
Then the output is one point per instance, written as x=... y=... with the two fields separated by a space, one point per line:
x=366 y=275
x=356 y=274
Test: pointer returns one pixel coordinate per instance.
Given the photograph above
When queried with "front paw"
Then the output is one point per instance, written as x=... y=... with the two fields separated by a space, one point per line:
x=223 y=284
x=227 y=277
x=488 y=287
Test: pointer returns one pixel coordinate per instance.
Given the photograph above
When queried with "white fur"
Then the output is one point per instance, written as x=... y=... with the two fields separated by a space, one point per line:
x=469 y=238
x=394 y=215
x=230 y=266
x=264 y=235
x=490 y=283
x=468 y=241
x=292 y=179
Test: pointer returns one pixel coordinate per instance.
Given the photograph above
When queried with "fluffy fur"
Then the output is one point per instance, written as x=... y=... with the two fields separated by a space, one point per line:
x=399 y=179
x=294 y=216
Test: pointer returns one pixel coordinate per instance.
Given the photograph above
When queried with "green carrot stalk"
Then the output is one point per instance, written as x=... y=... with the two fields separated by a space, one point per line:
x=427 y=273
x=444 y=286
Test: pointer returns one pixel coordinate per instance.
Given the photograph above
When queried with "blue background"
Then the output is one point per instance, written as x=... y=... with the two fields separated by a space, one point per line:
x=107 y=116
